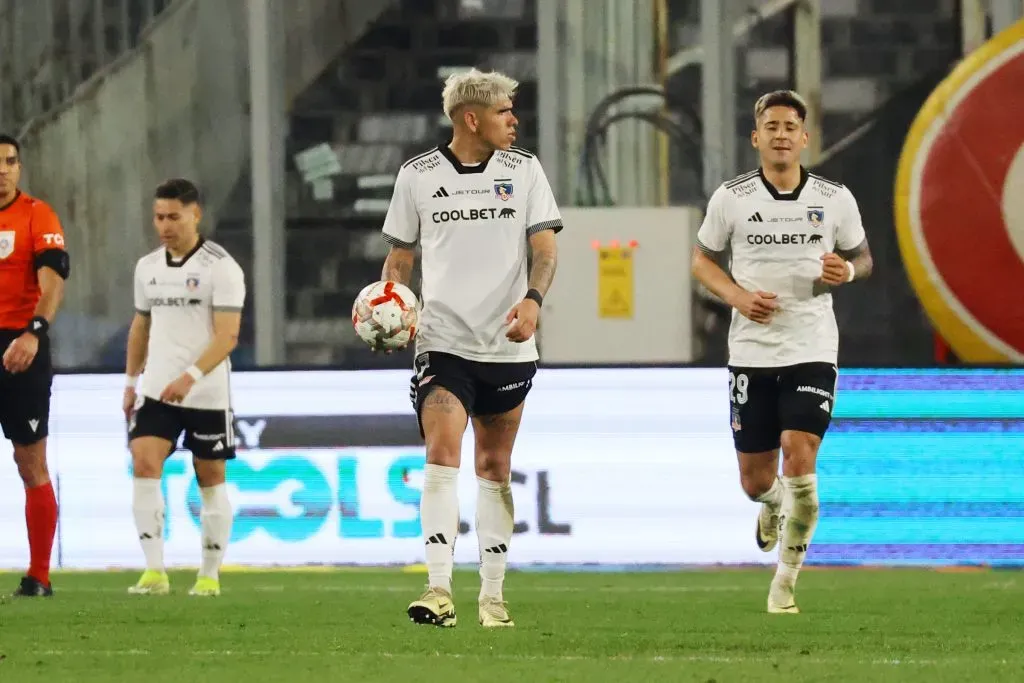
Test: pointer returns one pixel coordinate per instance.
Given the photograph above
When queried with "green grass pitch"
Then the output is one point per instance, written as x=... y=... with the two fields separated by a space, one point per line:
x=350 y=625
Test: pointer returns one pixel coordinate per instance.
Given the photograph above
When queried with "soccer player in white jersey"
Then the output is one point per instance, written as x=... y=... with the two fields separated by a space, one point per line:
x=477 y=208
x=793 y=237
x=188 y=307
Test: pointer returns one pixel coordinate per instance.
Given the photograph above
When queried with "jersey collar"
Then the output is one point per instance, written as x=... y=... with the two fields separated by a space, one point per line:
x=171 y=263
x=790 y=196
x=17 y=196
x=459 y=166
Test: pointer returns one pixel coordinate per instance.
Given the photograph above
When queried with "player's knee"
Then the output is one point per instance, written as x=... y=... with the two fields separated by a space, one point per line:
x=210 y=472
x=147 y=463
x=799 y=451
x=494 y=465
x=756 y=483
x=31 y=462
x=444 y=451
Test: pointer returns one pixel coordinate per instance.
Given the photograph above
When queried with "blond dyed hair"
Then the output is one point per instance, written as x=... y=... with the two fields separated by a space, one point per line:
x=476 y=87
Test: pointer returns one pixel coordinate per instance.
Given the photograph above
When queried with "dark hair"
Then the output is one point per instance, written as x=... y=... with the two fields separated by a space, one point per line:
x=181 y=189
x=12 y=141
x=781 y=98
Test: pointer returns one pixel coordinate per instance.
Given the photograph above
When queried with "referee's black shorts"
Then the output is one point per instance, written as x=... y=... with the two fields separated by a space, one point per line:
x=25 y=396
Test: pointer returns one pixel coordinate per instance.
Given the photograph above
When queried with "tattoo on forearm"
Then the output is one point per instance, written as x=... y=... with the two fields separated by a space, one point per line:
x=860 y=257
x=397 y=270
x=542 y=272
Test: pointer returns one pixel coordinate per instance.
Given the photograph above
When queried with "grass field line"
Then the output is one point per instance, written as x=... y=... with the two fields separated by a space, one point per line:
x=485 y=657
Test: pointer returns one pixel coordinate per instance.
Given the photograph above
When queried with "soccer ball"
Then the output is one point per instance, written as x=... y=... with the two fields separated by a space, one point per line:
x=385 y=315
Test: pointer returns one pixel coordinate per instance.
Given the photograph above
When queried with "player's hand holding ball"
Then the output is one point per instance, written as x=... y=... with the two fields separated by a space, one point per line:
x=757 y=306
x=835 y=270
x=385 y=316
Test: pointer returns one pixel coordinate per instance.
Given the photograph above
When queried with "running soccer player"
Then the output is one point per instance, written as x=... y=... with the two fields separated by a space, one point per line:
x=188 y=308
x=477 y=208
x=793 y=237
x=33 y=268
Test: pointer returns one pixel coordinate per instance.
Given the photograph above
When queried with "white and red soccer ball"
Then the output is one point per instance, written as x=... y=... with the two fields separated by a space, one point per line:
x=385 y=315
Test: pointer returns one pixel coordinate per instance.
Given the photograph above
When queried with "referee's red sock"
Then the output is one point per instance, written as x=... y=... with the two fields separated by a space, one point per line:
x=41 y=519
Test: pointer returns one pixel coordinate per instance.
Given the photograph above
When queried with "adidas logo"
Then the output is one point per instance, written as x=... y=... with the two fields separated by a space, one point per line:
x=498 y=549
x=218 y=447
x=437 y=538
x=825 y=406
x=756 y=218
x=440 y=193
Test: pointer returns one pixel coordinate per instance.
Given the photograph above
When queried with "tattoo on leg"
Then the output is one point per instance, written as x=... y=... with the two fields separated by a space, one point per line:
x=442 y=401
x=503 y=423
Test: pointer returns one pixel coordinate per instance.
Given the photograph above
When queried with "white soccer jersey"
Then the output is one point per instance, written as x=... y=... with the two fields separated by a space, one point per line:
x=777 y=240
x=180 y=297
x=472 y=223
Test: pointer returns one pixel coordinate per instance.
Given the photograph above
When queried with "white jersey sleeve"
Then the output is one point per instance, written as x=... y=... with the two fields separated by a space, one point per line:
x=402 y=223
x=541 y=210
x=716 y=230
x=141 y=300
x=228 y=286
x=850 y=233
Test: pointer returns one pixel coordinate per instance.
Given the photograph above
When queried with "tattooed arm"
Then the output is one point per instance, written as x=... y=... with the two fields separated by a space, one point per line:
x=522 y=320
x=860 y=257
x=544 y=254
x=398 y=265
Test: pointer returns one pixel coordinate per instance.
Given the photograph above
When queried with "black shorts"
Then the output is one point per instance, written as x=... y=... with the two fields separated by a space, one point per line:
x=25 y=396
x=209 y=434
x=482 y=388
x=768 y=401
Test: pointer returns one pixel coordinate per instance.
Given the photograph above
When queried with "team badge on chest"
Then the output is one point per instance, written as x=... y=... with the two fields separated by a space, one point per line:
x=816 y=215
x=503 y=189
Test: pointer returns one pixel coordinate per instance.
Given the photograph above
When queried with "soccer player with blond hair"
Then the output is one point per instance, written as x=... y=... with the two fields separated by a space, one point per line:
x=476 y=209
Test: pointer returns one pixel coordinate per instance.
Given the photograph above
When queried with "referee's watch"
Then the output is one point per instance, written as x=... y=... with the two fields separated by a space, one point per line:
x=38 y=326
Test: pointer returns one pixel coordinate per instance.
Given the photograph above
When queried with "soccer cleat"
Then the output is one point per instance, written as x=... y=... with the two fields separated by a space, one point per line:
x=152 y=582
x=434 y=607
x=206 y=587
x=33 y=588
x=780 y=598
x=767 y=531
x=494 y=613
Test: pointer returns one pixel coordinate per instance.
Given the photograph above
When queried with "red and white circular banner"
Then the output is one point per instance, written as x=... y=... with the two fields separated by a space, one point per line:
x=960 y=203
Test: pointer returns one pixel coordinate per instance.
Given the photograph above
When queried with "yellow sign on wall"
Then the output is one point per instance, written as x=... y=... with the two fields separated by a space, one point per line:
x=615 y=282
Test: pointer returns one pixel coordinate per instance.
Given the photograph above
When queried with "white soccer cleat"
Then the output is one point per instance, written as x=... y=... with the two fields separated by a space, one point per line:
x=152 y=582
x=494 y=613
x=435 y=607
x=767 y=531
x=780 y=597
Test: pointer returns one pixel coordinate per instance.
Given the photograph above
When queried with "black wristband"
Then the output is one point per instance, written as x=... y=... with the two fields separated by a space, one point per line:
x=39 y=326
x=536 y=296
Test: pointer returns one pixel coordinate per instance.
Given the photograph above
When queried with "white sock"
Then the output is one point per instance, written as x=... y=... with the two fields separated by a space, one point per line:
x=773 y=496
x=801 y=518
x=439 y=517
x=148 y=509
x=216 y=518
x=494 y=521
